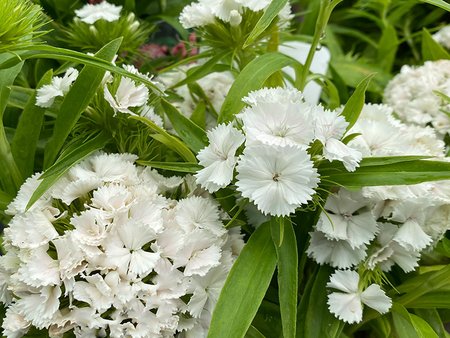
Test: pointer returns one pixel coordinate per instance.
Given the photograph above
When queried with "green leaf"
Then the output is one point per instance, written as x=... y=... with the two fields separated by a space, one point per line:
x=375 y=161
x=183 y=167
x=432 y=50
x=202 y=70
x=443 y=247
x=251 y=78
x=63 y=164
x=77 y=100
x=409 y=325
x=387 y=47
x=432 y=317
x=439 y=3
x=253 y=333
x=168 y=140
x=19 y=96
x=316 y=320
x=245 y=286
x=194 y=136
x=10 y=176
x=26 y=137
x=285 y=243
x=269 y=15
x=355 y=103
x=400 y=173
x=5 y=199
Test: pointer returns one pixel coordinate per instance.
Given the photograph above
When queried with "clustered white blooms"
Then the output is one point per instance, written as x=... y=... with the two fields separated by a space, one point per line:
x=378 y=227
x=204 y=12
x=105 y=253
x=59 y=86
x=274 y=170
x=413 y=94
x=90 y=13
x=215 y=86
x=128 y=94
x=443 y=36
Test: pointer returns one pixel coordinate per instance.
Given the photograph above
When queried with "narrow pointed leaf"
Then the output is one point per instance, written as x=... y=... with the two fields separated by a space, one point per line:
x=245 y=286
x=269 y=15
x=432 y=50
x=355 y=103
x=439 y=3
x=194 y=136
x=183 y=167
x=77 y=100
x=287 y=266
x=409 y=325
x=27 y=133
x=251 y=78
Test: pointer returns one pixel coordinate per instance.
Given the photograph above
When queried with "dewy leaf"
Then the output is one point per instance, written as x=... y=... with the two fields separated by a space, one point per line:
x=194 y=136
x=76 y=101
x=57 y=170
x=27 y=133
x=269 y=15
x=251 y=78
x=245 y=286
x=355 y=103
x=431 y=50
x=287 y=265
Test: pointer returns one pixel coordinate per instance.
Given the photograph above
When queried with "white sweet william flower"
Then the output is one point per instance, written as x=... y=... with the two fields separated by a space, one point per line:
x=58 y=87
x=337 y=253
x=348 y=304
x=293 y=123
x=329 y=129
x=128 y=95
x=14 y=324
x=218 y=158
x=104 y=10
x=277 y=179
x=443 y=36
x=196 y=15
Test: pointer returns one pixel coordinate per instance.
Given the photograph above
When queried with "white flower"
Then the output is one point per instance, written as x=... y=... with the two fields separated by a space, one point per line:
x=58 y=87
x=128 y=95
x=348 y=218
x=104 y=10
x=443 y=36
x=293 y=123
x=196 y=15
x=348 y=304
x=14 y=324
x=218 y=158
x=337 y=253
x=149 y=113
x=277 y=179
x=412 y=94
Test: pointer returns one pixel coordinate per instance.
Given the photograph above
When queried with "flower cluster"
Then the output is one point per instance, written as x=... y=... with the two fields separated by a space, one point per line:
x=414 y=95
x=378 y=227
x=205 y=12
x=105 y=253
x=443 y=36
x=275 y=170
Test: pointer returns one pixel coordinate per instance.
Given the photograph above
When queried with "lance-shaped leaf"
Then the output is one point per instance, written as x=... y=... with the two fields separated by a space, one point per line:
x=77 y=100
x=245 y=286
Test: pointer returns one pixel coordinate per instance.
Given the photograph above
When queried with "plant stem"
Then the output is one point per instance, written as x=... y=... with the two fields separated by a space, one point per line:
x=326 y=7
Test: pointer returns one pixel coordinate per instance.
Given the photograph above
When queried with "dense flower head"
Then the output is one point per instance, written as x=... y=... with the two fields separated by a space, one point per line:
x=204 y=12
x=105 y=253
x=414 y=95
x=274 y=169
x=90 y=13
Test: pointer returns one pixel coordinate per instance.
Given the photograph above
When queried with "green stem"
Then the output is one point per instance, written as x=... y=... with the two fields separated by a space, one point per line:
x=326 y=7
